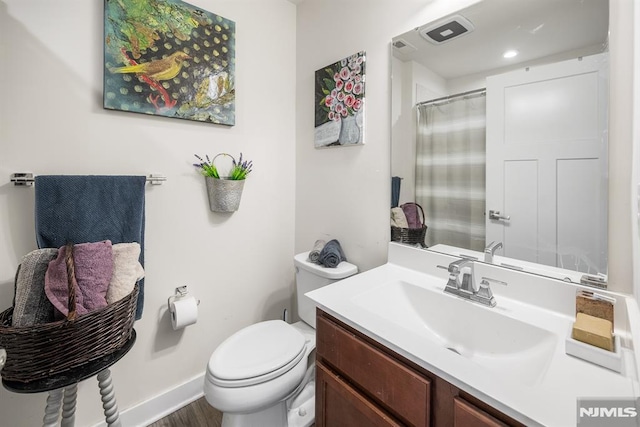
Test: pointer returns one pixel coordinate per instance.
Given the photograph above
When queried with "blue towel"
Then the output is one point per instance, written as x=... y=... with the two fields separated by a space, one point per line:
x=331 y=254
x=81 y=208
x=395 y=191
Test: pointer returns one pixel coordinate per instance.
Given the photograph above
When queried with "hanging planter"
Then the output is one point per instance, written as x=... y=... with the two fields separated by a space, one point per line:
x=224 y=192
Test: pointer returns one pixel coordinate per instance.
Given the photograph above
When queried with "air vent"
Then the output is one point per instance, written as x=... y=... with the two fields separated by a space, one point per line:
x=446 y=29
x=403 y=45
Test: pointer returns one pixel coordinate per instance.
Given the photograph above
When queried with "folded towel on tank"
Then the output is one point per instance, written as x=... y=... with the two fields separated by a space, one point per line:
x=127 y=270
x=30 y=303
x=398 y=218
x=314 y=254
x=93 y=270
x=91 y=208
x=331 y=254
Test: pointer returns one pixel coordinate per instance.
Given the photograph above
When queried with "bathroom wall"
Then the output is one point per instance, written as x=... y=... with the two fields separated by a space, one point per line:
x=239 y=265
x=344 y=192
x=621 y=24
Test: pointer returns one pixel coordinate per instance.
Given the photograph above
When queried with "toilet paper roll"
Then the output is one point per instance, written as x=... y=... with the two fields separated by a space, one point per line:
x=183 y=311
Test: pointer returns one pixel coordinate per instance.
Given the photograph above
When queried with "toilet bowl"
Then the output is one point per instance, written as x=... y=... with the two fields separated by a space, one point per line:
x=263 y=375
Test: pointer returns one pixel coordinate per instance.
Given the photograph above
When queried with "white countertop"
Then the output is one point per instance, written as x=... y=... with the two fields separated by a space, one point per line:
x=548 y=397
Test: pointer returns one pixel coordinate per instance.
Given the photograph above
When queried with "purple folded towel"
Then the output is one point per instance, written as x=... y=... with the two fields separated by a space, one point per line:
x=93 y=269
x=411 y=211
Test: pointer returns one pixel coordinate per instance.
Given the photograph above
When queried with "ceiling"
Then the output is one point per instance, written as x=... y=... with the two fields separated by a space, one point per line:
x=535 y=28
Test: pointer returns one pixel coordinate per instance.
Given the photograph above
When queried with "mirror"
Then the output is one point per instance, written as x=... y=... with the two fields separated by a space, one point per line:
x=499 y=132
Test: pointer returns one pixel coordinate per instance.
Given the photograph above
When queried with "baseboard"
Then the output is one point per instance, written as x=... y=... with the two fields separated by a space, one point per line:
x=152 y=410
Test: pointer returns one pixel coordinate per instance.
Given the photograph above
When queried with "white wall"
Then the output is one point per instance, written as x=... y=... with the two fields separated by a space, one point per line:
x=635 y=180
x=620 y=144
x=402 y=128
x=412 y=83
x=52 y=122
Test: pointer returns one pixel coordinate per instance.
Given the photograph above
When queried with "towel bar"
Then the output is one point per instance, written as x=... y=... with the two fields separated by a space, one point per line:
x=26 y=179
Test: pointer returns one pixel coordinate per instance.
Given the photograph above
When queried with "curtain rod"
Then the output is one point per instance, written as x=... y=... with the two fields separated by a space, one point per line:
x=24 y=179
x=450 y=97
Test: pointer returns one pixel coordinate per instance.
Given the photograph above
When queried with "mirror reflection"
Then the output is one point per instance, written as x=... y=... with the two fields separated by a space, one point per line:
x=499 y=133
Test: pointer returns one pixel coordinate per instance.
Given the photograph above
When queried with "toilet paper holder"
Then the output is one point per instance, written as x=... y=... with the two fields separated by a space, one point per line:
x=181 y=291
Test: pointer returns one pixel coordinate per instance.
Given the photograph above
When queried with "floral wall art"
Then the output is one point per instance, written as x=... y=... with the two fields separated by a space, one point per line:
x=339 y=102
x=169 y=58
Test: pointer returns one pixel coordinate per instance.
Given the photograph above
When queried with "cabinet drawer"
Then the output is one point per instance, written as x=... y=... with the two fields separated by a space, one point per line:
x=339 y=405
x=404 y=393
x=466 y=414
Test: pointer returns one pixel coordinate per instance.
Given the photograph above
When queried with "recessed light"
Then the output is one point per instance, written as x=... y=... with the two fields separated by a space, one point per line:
x=510 y=54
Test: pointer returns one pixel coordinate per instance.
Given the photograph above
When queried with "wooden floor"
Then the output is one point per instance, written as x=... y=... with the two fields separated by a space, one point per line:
x=197 y=414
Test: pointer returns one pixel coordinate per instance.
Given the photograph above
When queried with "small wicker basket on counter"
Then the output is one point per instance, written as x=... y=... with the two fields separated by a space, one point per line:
x=44 y=350
x=414 y=236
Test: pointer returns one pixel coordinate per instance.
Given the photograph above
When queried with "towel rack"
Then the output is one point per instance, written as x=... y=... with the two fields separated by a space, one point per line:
x=26 y=179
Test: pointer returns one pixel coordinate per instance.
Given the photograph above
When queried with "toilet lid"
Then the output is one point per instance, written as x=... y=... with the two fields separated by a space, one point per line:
x=256 y=350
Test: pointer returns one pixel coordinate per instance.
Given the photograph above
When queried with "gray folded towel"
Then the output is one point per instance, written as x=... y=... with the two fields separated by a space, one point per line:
x=314 y=255
x=30 y=304
x=331 y=254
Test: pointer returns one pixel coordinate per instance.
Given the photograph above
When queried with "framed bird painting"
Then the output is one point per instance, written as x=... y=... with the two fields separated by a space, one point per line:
x=169 y=58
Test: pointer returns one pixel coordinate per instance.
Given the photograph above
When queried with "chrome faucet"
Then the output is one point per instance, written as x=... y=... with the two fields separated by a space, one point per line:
x=457 y=283
x=490 y=250
x=464 y=287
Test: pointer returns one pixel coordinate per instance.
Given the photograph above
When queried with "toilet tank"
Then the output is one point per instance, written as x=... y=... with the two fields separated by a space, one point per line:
x=310 y=276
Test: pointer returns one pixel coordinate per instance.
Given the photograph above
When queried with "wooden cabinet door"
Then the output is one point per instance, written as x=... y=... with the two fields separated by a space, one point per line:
x=339 y=405
x=388 y=382
x=467 y=415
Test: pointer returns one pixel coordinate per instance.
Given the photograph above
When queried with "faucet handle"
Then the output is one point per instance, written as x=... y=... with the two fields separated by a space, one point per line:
x=485 y=289
x=488 y=280
x=484 y=294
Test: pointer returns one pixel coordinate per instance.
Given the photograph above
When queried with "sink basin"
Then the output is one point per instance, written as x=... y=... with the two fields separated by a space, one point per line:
x=510 y=348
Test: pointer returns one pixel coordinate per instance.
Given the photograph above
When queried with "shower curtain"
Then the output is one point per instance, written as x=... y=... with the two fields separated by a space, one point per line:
x=450 y=170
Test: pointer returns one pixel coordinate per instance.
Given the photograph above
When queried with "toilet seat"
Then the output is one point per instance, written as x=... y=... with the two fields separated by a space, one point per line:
x=256 y=354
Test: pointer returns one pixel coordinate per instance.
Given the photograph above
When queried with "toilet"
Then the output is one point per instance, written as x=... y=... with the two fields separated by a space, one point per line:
x=262 y=375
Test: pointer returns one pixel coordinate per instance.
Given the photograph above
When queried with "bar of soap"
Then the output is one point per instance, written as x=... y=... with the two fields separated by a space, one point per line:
x=588 y=303
x=593 y=330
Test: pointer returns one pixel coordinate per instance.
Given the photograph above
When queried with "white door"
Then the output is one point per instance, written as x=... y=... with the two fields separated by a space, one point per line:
x=547 y=163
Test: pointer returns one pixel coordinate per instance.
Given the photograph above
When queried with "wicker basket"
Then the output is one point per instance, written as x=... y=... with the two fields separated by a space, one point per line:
x=41 y=351
x=410 y=235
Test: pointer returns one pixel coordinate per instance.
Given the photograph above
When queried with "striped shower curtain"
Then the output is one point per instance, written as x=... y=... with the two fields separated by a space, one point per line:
x=450 y=170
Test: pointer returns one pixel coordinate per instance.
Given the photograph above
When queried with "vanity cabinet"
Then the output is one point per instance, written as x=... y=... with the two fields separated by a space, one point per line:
x=359 y=382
